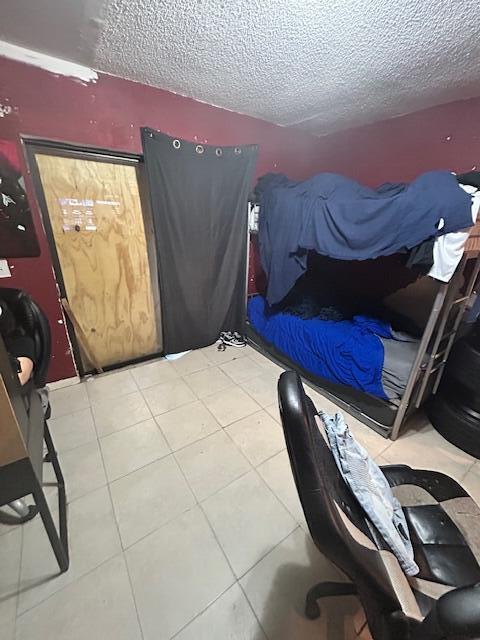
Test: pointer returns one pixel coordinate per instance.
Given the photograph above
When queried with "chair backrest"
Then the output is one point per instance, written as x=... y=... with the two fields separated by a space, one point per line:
x=32 y=320
x=336 y=521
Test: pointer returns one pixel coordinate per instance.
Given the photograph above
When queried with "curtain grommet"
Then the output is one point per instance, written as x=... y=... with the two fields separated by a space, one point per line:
x=218 y=152
x=199 y=149
x=176 y=144
x=237 y=151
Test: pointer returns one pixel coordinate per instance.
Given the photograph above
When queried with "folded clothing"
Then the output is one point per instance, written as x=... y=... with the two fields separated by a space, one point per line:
x=371 y=489
x=448 y=249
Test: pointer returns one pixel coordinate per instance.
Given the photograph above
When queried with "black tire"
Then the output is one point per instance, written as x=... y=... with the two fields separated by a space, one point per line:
x=459 y=394
x=456 y=423
x=464 y=365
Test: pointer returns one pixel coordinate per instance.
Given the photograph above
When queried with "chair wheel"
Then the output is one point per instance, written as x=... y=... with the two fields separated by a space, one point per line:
x=8 y=519
x=312 y=610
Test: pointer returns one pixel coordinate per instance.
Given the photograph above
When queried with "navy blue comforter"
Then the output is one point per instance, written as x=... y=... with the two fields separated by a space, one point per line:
x=347 y=352
x=340 y=218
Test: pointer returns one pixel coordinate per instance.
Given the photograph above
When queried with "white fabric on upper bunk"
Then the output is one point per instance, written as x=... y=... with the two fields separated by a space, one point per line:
x=448 y=249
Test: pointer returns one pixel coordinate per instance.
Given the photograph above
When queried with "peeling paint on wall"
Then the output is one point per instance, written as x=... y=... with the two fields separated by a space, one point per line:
x=48 y=63
x=5 y=110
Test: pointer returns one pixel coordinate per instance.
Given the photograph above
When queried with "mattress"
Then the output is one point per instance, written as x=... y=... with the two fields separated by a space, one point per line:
x=348 y=352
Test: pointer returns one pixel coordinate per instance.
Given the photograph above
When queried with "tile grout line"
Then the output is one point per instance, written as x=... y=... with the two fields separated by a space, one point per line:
x=235 y=580
x=182 y=378
x=57 y=575
x=164 y=524
x=123 y=551
x=69 y=584
x=213 y=366
x=197 y=615
x=185 y=446
x=169 y=520
x=253 y=566
x=180 y=406
x=77 y=446
x=297 y=525
x=123 y=428
x=253 y=610
x=252 y=467
x=121 y=545
x=470 y=467
x=197 y=501
x=128 y=426
x=264 y=372
x=275 y=495
x=282 y=503
x=228 y=483
x=238 y=383
x=91 y=380
x=272 y=456
x=234 y=421
x=144 y=466
x=199 y=505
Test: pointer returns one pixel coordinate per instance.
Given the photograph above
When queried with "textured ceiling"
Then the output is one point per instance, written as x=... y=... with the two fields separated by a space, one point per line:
x=322 y=65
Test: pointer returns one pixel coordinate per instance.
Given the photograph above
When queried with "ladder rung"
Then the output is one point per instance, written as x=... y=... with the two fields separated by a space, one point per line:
x=447 y=335
x=439 y=366
x=459 y=300
x=439 y=354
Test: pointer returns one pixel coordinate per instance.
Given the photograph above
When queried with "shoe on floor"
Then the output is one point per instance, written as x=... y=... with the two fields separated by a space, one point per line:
x=232 y=339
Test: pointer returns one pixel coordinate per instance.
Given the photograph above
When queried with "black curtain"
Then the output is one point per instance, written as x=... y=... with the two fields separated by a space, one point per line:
x=199 y=195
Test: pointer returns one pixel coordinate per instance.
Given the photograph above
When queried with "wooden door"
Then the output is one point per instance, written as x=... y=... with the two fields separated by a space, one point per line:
x=97 y=225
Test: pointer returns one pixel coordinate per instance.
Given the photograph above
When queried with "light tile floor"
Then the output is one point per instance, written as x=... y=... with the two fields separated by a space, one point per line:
x=184 y=520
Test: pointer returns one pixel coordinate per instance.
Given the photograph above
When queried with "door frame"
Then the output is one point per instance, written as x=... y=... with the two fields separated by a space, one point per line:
x=32 y=145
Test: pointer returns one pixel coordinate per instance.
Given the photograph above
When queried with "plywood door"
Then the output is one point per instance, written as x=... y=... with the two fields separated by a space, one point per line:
x=96 y=217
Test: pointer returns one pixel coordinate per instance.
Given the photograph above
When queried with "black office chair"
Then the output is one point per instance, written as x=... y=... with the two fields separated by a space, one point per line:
x=443 y=600
x=34 y=323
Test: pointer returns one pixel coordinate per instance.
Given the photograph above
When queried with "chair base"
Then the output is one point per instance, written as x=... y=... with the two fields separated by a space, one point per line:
x=323 y=590
x=10 y=519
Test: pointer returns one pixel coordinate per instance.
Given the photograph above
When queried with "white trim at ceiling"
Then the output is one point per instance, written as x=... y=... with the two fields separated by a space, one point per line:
x=48 y=63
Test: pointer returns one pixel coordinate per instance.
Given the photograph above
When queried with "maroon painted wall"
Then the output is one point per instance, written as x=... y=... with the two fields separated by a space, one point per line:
x=110 y=112
x=443 y=137
x=396 y=150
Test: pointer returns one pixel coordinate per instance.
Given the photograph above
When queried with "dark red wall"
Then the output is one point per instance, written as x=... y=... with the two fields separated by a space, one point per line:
x=110 y=112
x=443 y=137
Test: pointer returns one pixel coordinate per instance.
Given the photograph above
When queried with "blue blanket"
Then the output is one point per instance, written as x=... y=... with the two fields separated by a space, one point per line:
x=346 y=352
x=340 y=218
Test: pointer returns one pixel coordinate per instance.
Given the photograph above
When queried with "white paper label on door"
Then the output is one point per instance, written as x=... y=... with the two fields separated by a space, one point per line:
x=4 y=269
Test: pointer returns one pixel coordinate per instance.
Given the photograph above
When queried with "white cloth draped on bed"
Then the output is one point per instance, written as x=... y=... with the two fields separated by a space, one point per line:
x=448 y=249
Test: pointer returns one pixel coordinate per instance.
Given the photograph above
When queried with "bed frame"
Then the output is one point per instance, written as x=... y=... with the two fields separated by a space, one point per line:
x=388 y=418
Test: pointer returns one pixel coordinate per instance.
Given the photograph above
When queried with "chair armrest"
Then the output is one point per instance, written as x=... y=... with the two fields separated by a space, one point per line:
x=438 y=485
x=456 y=614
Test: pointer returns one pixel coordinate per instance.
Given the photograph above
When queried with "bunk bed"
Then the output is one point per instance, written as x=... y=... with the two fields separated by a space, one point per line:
x=386 y=415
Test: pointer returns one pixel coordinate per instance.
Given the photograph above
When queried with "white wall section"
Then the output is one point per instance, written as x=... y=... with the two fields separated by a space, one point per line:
x=49 y=63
